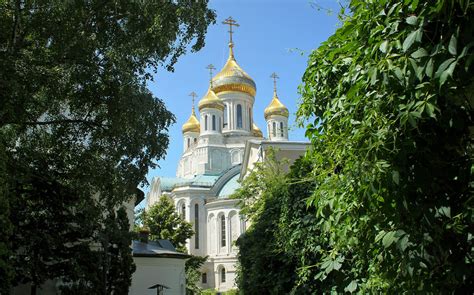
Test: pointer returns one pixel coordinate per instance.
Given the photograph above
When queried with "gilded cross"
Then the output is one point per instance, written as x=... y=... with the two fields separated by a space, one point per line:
x=210 y=68
x=274 y=76
x=231 y=22
x=193 y=95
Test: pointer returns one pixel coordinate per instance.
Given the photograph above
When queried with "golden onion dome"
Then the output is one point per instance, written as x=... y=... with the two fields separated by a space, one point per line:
x=233 y=78
x=192 y=124
x=211 y=101
x=256 y=131
x=276 y=108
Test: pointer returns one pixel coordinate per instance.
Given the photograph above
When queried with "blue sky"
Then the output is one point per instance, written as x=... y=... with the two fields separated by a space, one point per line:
x=274 y=36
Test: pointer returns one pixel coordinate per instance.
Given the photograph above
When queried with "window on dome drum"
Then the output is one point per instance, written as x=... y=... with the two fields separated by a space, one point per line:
x=269 y=129
x=213 y=122
x=219 y=123
x=189 y=142
x=204 y=278
x=223 y=231
x=274 y=131
x=282 y=132
x=223 y=275
x=196 y=226
x=183 y=211
x=225 y=116
x=195 y=140
x=239 y=116
x=205 y=122
x=250 y=118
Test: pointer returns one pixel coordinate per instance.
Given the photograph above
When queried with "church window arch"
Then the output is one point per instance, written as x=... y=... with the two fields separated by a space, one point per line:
x=250 y=119
x=223 y=231
x=223 y=275
x=214 y=122
x=239 y=116
x=274 y=129
x=225 y=116
x=205 y=122
x=189 y=142
x=183 y=211
x=282 y=131
x=196 y=226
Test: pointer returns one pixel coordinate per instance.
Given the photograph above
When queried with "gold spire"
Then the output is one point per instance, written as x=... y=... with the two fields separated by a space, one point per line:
x=192 y=124
x=232 y=77
x=275 y=107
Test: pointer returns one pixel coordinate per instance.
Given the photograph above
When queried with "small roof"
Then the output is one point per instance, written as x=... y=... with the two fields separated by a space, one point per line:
x=160 y=248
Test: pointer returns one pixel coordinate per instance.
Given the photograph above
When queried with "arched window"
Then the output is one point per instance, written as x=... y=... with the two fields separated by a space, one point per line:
x=205 y=122
x=196 y=226
x=274 y=129
x=213 y=122
x=250 y=119
x=225 y=116
x=269 y=129
x=222 y=231
x=219 y=123
x=183 y=211
x=239 y=116
x=195 y=140
x=282 y=132
x=223 y=275
x=189 y=142
x=204 y=278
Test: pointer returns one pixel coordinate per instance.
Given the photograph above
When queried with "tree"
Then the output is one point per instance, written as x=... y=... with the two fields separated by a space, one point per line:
x=382 y=203
x=78 y=128
x=163 y=222
x=389 y=101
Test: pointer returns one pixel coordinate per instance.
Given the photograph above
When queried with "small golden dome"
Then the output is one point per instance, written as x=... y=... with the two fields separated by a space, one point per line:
x=192 y=124
x=256 y=131
x=210 y=100
x=233 y=78
x=276 y=108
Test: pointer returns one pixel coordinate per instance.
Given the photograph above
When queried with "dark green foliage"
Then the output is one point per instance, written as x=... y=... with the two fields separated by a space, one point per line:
x=164 y=223
x=78 y=127
x=390 y=94
x=388 y=185
x=264 y=266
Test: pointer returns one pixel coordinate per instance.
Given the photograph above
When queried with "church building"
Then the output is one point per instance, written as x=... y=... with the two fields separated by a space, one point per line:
x=220 y=146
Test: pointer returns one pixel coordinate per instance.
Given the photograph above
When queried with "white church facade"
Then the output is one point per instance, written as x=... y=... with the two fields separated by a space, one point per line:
x=220 y=146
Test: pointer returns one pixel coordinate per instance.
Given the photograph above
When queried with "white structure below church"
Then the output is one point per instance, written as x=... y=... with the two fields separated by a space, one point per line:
x=217 y=144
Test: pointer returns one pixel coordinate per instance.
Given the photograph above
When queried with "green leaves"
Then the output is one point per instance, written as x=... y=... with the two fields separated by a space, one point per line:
x=394 y=110
x=453 y=45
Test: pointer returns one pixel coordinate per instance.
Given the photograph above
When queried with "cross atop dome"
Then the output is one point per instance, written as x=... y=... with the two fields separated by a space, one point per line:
x=210 y=68
x=193 y=95
x=274 y=76
x=231 y=22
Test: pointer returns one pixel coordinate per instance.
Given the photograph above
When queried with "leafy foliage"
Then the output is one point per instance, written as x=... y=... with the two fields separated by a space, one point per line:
x=391 y=99
x=78 y=127
x=164 y=223
x=388 y=185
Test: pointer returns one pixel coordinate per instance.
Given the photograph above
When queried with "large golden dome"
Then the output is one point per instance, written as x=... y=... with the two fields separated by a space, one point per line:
x=276 y=108
x=256 y=131
x=233 y=78
x=192 y=124
x=210 y=100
